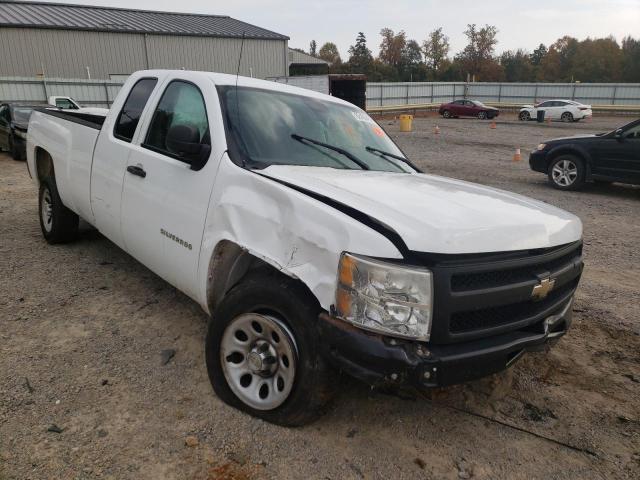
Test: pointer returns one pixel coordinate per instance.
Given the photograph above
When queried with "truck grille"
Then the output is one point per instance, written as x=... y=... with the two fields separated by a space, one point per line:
x=515 y=312
x=474 y=281
x=482 y=295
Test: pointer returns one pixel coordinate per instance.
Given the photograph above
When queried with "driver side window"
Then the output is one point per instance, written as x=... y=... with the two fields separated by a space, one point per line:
x=181 y=113
x=633 y=133
x=4 y=115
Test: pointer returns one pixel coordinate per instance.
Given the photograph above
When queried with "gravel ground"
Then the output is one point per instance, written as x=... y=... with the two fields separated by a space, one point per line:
x=84 y=392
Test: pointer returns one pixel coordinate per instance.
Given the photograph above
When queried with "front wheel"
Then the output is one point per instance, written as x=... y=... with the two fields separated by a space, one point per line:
x=524 y=116
x=482 y=115
x=58 y=223
x=263 y=354
x=446 y=114
x=567 y=172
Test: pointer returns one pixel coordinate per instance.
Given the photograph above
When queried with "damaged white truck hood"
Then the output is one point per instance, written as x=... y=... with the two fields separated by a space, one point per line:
x=437 y=214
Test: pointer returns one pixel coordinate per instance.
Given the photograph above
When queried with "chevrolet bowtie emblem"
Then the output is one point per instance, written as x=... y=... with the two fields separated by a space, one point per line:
x=541 y=290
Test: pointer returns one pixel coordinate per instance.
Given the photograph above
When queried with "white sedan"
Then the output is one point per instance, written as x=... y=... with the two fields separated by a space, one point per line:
x=564 y=110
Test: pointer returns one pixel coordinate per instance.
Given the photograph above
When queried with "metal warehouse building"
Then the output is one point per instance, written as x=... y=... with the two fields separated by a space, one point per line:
x=74 y=41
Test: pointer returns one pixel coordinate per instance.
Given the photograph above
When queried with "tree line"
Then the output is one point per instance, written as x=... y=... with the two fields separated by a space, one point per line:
x=566 y=60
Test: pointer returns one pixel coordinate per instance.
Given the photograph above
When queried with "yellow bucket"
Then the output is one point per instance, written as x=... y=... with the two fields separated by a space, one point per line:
x=405 y=123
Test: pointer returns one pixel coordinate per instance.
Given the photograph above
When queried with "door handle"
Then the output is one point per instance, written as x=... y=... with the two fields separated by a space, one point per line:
x=136 y=170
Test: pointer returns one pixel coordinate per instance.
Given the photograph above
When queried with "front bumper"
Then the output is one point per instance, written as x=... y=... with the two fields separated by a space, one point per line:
x=538 y=161
x=383 y=361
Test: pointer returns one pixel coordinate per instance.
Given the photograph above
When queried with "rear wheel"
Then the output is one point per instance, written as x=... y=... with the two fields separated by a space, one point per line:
x=58 y=223
x=524 y=116
x=446 y=114
x=567 y=117
x=567 y=172
x=482 y=115
x=262 y=351
x=13 y=149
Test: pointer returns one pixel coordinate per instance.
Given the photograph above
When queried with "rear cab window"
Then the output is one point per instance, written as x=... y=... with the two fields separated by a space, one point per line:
x=132 y=109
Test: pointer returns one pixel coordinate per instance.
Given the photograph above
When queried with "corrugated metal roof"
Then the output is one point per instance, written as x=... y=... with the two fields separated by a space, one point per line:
x=109 y=19
x=296 y=56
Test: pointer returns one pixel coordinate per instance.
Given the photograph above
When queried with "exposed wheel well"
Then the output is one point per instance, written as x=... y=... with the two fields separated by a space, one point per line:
x=229 y=264
x=44 y=164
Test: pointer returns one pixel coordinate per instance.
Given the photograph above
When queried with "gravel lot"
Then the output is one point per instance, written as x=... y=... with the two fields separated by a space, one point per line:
x=82 y=328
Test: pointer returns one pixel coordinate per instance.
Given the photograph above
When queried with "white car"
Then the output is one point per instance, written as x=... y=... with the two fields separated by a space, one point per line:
x=564 y=110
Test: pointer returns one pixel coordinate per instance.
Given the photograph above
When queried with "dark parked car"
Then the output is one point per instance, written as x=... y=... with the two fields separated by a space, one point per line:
x=468 y=108
x=14 y=120
x=607 y=157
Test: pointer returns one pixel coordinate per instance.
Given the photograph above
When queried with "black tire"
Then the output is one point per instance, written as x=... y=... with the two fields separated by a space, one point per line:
x=567 y=181
x=58 y=223
x=482 y=115
x=13 y=150
x=567 y=117
x=524 y=116
x=272 y=293
x=446 y=114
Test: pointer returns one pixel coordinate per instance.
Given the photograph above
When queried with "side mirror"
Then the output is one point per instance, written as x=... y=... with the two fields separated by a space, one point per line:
x=618 y=134
x=184 y=141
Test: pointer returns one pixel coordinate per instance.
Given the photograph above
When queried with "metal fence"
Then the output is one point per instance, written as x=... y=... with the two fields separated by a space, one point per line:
x=101 y=93
x=94 y=93
x=408 y=93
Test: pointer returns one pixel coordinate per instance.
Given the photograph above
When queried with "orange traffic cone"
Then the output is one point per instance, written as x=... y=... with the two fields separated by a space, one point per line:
x=493 y=125
x=516 y=156
x=436 y=130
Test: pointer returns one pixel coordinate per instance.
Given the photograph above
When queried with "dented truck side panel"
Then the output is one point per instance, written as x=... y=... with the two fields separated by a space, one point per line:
x=298 y=235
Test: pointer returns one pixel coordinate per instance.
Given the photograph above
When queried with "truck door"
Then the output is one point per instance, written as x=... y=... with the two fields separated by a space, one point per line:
x=110 y=159
x=164 y=200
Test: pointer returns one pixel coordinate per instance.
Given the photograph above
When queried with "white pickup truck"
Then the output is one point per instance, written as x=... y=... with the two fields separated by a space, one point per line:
x=313 y=243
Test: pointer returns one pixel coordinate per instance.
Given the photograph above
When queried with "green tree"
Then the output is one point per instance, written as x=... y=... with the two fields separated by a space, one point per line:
x=630 y=59
x=435 y=48
x=477 y=58
x=392 y=47
x=360 y=57
x=329 y=53
x=517 y=66
x=598 y=60
x=538 y=54
x=313 y=48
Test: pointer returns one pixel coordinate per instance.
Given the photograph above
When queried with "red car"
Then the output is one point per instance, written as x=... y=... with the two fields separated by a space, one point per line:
x=468 y=108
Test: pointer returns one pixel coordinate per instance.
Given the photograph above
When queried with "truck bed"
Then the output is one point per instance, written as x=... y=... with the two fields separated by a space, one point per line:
x=86 y=119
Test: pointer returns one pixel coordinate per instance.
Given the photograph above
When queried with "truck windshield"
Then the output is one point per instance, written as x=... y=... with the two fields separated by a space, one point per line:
x=277 y=128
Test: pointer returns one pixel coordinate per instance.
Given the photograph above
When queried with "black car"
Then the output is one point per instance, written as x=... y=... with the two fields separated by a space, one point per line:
x=14 y=120
x=606 y=157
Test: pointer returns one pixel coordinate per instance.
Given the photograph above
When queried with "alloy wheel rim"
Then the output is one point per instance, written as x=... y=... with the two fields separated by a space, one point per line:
x=47 y=210
x=258 y=355
x=565 y=172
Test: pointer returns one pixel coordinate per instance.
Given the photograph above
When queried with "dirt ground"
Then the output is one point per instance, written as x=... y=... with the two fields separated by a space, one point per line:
x=82 y=328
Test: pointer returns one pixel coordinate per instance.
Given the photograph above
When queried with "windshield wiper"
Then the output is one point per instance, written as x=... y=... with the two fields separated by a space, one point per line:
x=342 y=151
x=391 y=155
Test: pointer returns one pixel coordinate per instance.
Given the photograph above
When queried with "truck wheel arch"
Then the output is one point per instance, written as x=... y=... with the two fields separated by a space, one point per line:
x=44 y=164
x=229 y=264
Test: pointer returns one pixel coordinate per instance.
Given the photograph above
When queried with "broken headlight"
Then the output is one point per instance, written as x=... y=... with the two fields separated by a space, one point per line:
x=387 y=298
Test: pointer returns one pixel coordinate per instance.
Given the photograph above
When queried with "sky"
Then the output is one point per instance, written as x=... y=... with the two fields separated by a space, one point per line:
x=521 y=24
